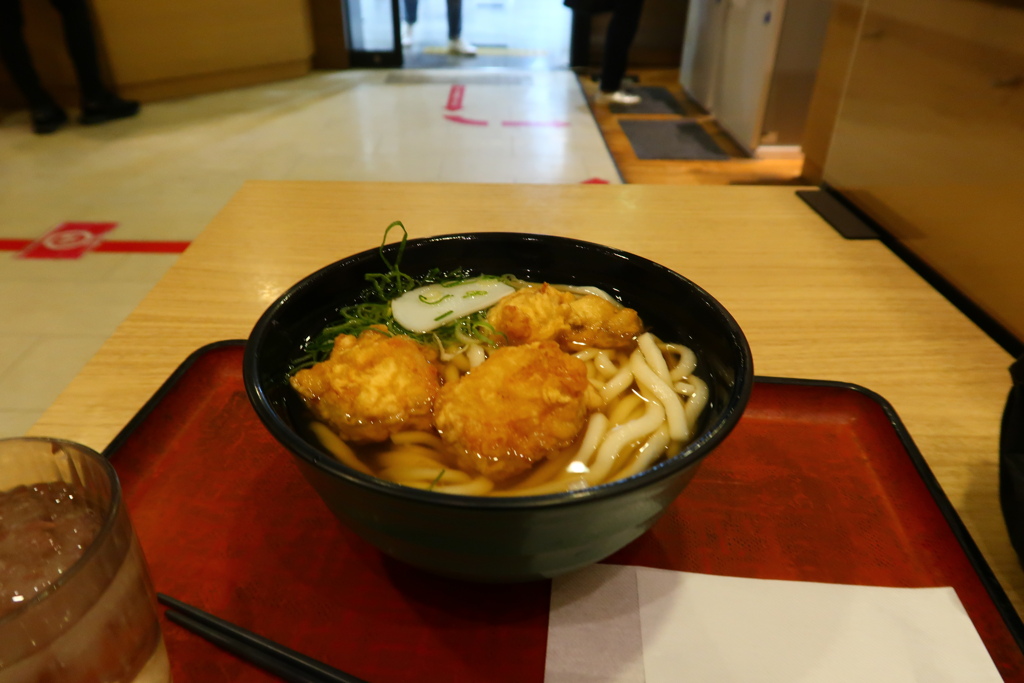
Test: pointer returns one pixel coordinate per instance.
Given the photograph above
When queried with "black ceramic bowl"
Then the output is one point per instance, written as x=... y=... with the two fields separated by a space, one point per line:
x=503 y=539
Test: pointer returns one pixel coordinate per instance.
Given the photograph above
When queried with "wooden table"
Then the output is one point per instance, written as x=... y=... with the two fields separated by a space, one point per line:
x=813 y=304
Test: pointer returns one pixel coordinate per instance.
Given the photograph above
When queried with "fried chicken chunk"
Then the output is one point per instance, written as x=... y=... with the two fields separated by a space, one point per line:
x=594 y=321
x=372 y=386
x=532 y=314
x=514 y=409
x=545 y=313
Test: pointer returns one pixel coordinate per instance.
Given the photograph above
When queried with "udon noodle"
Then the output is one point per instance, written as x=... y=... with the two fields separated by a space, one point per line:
x=651 y=402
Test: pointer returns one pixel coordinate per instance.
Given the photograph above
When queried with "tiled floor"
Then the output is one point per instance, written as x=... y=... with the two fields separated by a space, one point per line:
x=163 y=176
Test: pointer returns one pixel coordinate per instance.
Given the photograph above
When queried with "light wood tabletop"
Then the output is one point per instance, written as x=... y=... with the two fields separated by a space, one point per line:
x=812 y=304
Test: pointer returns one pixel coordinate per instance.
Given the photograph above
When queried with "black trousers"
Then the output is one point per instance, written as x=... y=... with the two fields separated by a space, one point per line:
x=78 y=36
x=621 y=32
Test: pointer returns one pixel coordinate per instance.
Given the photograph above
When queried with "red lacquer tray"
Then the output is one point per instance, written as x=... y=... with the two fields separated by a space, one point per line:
x=818 y=482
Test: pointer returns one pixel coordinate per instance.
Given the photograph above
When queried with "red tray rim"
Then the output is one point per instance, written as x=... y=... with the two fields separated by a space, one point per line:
x=986 y=576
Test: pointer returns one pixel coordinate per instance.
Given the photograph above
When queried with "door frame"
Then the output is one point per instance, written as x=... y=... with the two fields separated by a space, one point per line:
x=373 y=59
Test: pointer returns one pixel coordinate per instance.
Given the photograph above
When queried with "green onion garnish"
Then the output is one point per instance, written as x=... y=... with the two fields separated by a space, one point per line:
x=374 y=311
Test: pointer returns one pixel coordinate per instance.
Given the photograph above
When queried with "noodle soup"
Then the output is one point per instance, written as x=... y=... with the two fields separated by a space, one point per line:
x=502 y=536
x=639 y=398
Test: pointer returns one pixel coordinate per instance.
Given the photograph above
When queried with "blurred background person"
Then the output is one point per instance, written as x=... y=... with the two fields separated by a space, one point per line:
x=98 y=103
x=622 y=29
x=456 y=45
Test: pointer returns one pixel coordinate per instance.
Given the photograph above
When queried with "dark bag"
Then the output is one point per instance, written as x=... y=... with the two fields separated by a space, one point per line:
x=1011 y=460
x=591 y=6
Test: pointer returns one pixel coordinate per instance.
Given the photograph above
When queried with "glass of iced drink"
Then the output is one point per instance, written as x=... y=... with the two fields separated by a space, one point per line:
x=76 y=601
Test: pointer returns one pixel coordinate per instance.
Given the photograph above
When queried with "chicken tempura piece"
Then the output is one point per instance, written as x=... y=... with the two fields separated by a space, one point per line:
x=518 y=406
x=372 y=386
x=532 y=314
x=545 y=313
x=594 y=321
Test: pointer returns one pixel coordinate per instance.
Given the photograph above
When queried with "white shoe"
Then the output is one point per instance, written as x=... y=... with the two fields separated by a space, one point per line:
x=406 y=34
x=458 y=46
x=617 y=97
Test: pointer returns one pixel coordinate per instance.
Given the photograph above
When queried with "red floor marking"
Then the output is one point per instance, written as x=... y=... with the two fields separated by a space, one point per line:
x=551 y=124
x=111 y=247
x=463 y=119
x=68 y=241
x=455 y=97
x=139 y=247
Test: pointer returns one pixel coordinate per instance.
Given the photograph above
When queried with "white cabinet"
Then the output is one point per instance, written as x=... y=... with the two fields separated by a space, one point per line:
x=751 y=64
x=701 y=53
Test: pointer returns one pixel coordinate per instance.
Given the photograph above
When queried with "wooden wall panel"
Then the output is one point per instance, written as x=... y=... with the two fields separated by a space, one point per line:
x=929 y=139
x=169 y=48
x=840 y=40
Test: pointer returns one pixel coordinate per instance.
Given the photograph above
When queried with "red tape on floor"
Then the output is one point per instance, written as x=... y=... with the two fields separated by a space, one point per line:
x=455 y=96
x=462 y=119
x=68 y=240
x=140 y=247
x=74 y=239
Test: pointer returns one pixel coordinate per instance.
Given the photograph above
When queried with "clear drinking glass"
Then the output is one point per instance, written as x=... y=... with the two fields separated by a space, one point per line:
x=76 y=601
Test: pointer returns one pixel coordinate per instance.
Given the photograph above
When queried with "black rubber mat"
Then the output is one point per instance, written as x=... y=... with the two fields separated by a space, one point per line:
x=653 y=100
x=671 y=140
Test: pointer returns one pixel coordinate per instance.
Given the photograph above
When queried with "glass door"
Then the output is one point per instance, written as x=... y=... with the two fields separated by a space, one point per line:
x=372 y=29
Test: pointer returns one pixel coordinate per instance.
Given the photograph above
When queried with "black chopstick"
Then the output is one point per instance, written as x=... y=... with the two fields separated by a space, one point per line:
x=287 y=664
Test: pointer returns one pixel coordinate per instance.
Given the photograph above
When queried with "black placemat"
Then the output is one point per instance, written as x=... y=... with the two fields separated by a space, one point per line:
x=671 y=140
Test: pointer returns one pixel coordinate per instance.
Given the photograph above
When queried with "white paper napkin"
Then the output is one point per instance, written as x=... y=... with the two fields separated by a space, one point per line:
x=638 y=625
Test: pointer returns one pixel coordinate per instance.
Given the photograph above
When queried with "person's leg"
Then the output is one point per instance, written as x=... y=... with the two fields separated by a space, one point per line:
x=456 y=45
x=98 y=103
x=454 y=19
x=410 y=7
x=411 y=11
x=47 y=116
x=579 y=39
x=15 y=53
x=78 y=35
x=621 y=32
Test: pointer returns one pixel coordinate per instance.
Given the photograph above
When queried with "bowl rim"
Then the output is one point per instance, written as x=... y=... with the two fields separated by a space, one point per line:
x=691 y=454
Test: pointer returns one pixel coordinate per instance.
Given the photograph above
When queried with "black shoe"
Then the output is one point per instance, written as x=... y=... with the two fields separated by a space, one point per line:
x=106 y=108
x=46 y=118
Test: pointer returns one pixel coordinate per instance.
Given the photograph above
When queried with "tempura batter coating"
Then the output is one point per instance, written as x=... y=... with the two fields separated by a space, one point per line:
x=532 y=314
x=372 y=386
x=514 y=409
x=594 y=321
x=545 y=313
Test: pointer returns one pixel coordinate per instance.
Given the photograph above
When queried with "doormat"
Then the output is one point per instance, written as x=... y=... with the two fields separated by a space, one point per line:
x=671 y=140
x=653 y=100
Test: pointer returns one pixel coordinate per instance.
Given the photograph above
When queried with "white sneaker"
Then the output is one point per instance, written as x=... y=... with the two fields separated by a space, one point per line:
x=617 y=97
x=458 y=46
x=406 y=34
